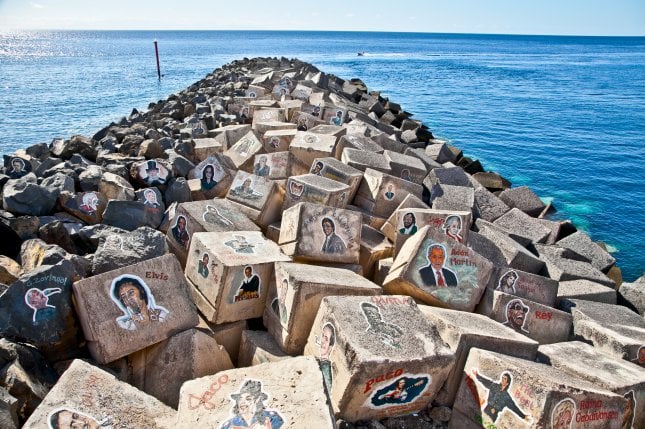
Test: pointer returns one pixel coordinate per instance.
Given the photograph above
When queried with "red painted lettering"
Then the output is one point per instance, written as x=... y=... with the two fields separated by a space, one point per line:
x=382 y=377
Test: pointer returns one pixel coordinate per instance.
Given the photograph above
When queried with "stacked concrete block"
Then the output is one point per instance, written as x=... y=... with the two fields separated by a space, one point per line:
x=379 y=356
x=232 y=271
x=333 y=169
x=586 y=362
x=489 y=206
x=315 y=189
x=454 y=224
x=563 y=264
x=305 y=148
x=374 y=247
x=586 y=290
x=278 y=140
x=274 y=165
x=524 y=199
x=381 y=193
x=257 y=196
x=613 y=329
x=358 y=142
x=540 y=322
x=240 y=155
x=313 y=232
x=207 y=147
x=292 y=306
x=204 y=216
x=406 y=167
x=258 y=347
x=582 y=244
x=452 y=197
x=463 y=331
x=88 y=397
x=522 y=226
x=288 y=393
x=130 y=308
x=161 y=369
x=509 y=392
x=533 y=287
x=438 y=271
x=209 y=179
x=390 y=227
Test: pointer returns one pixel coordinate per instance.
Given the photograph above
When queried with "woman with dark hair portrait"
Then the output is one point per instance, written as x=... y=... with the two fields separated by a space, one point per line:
x=507 y=282
x=208 y=180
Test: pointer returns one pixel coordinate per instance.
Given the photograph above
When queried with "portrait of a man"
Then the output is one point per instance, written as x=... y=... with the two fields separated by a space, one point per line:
x=261 y=168
x=337 y=119
x=202 y=265
x=67 y=418
x=317 y=168
x=402 y=391
x=436 y=273
x=499 y=397
x=326 y=343
x=180 y=231
x=389 y=194
x=563 y=414
x=155 y=175
x=38 y=300
x=245 y=190
x=250 y=411
x=516 y=315
x=452 y=227
x=18 y=168
x=89 y=202
x=333 y=243
x=150 y=199
x=387 y=333
x=250 y=287
x=134 y=298
x=409 y=224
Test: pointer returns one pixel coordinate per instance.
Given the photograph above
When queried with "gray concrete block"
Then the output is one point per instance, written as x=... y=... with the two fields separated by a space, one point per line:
x=582 y=244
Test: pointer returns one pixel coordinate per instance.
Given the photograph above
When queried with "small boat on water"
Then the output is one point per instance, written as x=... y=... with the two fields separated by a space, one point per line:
x=361 y=54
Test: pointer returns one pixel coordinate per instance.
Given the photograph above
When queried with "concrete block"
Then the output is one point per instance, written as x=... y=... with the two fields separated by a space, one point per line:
x=278 y=140
x=379 y=356
x=204 y=216
x=272 y=395
x=586 y=290
x=333 y=169
x=540 y=322
x=454 y=198
x=519 y=224
x=315 y=189
x=484 y=246
x=542 y=290
x=362 y=161
x=613 y=329
x=305 y=147
x=374 y=247
x=454 y=225
x=240 y=155
x=515 y=254
x=440 y=152
x=492 y=181
x=206 y=147
x=463 y=331
x=561 y=267
x=463 y=273
x=382 y=269
x=230 y=134
x=489 y=206
x=509 y=392
x=161 y=369
x=586 y=362
x=632 y=295
x=229 y=335
x=259 y=347
x=358 y=142
x=454 y=176
x=524 y=199
x=256 y=196
x=88 y=397
x=291 y=310
x=232 y=270
x=274 y=166
x=382 y=193
x=406 y=167
x=209 y=179
x=130 y=308
x=313 y=232
x=389 y=229
x=582 y=244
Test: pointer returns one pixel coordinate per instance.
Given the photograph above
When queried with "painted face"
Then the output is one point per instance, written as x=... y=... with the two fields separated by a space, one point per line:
x=641 y=355
x=436 y=258
x=248 y=272
x=17 y=166
x=247 y=184
x=37 y=299
x=408 y=220
x=372 y=315
x=401 y=384
x=563 y=420
x=510 y=280
x=131 y=297
x=71 y=420
x=245 y=403
x=454 y=227
x=517 y=314
x=205 y=259
x=325 y=342
x=181 y=223
x=208 y=172
x=327 y=228
x=505 y=381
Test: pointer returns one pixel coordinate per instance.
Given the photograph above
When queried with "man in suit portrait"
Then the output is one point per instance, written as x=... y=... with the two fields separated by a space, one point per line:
x=250 y=287
x=333 y=243
x=435 y=273
x=409 y=224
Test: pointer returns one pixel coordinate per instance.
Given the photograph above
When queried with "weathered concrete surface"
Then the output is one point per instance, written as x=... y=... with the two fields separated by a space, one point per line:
x=560 y=266
x=379 y=355
x=97 y=397
x=586 y=290
x=618 y=376
x=130 y=308
x=284 y=394
x=533 y=287
x=291 y=307
x=632 y=295
x=258 y=347
x=537 y=396
x=463 y=331
x=582 y=244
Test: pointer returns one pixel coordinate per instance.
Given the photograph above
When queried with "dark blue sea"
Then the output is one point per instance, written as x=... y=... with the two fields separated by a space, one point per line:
x=563 y=115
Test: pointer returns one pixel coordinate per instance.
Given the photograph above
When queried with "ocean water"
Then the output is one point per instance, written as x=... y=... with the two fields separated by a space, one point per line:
x=563 y=115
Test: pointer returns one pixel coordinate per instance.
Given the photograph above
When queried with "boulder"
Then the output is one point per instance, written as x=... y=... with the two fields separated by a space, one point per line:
x=586 y=290
x=524 y=199
x=632 y=295
x=119 y=248
x=24 y=196
x=65 y=149
x=581 y=243
x=489 y=206
x=115 y=187
x=561 y=266
x=9 y=270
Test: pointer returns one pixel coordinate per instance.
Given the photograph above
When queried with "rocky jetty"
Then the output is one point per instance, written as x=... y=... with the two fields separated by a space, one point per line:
x=279 y=247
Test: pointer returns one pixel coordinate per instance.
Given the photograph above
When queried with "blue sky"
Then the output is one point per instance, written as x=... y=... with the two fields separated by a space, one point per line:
x=570 y=17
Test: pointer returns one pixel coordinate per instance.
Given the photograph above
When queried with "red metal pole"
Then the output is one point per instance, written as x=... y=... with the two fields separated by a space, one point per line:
x=157 y=56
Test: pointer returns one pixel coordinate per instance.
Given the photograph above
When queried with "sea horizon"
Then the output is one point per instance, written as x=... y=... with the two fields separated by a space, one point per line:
x=523 y=104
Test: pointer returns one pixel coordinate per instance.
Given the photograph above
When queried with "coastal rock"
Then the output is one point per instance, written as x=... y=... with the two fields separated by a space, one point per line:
x=118 y=250
x=8 y=410
x=77 y=144
x=56 y=233
x=632 y=295
x=24 y=196
x=493 y=182
x=87 y=206
x=524 y=199
x=178 y=191
x=90 y=178
x=10 y=243
x=9 y=270
x=115 y=187
x=58 y=183
x=582 y=244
